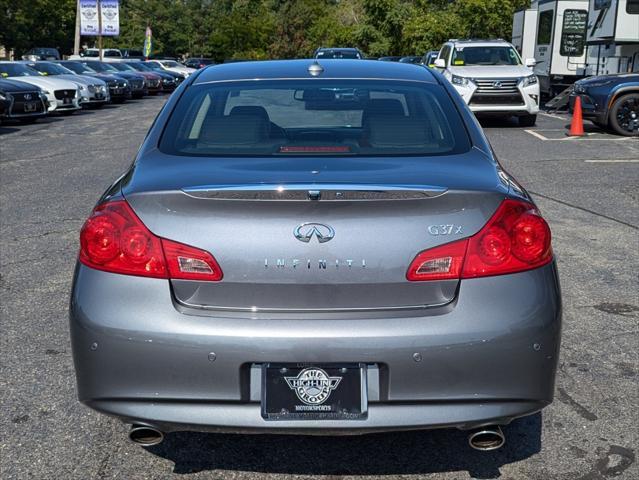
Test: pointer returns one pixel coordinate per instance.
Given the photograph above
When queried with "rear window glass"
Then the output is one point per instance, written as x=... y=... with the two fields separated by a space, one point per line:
x=317 y=117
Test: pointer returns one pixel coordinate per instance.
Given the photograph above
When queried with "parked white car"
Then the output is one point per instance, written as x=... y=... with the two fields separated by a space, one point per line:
x=62 y=95
x=491 y=78
x=107 y=53
x=93 y=91
x=173 y=66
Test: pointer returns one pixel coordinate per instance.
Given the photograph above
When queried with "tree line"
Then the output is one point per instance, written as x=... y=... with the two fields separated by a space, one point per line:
x=265 y=29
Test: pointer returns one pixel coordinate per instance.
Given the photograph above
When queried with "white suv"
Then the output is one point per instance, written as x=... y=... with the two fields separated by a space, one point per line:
x=491 y=78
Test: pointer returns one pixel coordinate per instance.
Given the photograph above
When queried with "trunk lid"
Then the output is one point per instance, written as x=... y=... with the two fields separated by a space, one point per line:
x=320 y=246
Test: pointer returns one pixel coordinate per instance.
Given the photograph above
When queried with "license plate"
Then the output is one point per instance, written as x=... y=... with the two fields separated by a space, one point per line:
x=314 y=392
x=30 y=107
x=66 y=101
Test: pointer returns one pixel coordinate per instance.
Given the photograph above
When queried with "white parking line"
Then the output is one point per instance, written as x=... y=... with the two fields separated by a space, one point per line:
x=587 y=137
x=553 y=116
x=612 y=161
x=538 y=135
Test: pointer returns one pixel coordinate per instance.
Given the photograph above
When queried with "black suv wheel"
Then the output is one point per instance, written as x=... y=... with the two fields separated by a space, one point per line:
x=624 y=115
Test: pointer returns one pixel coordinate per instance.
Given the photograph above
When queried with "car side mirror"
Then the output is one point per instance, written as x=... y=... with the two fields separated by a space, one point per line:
x=530 y=62
x=440 y=63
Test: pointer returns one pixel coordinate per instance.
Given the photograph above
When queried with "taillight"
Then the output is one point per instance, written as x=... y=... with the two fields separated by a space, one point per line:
x=440 y=263
x=115 y=240
x=515 y=239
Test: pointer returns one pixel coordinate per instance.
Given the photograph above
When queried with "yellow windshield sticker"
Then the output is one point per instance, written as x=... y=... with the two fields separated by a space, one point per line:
x=458 y=62
x=4 y=75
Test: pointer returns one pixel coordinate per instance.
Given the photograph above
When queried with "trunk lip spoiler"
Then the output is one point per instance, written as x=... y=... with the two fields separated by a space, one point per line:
x=314 y=191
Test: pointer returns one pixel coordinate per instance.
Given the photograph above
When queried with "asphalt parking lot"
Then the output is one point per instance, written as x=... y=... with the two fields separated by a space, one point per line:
x=51 y=174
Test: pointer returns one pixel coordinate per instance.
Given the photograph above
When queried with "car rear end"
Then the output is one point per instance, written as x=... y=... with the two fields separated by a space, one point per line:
x=315 y=255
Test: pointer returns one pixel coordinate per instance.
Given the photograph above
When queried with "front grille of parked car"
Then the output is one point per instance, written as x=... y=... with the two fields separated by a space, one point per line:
x=22 y=98
x=154 y=82
x=25 y=96
x=137 y=84
x=496 y=86
x=91 y=88
x=504 y=99
x=496 y=91
x=62 y=94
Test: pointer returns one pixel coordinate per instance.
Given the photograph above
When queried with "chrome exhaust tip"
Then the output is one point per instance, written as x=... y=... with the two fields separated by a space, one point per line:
x=145 y=436
x=487 y=438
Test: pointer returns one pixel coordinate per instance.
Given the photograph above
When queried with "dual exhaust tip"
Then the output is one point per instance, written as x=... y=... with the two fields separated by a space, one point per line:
x=484 y=439
x=145 y=435
x=487 y=438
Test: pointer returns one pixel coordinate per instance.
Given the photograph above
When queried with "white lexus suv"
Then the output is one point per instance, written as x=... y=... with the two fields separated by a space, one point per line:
x=491 y=78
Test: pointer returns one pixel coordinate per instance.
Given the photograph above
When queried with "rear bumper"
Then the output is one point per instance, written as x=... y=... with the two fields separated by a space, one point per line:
x=487 y=358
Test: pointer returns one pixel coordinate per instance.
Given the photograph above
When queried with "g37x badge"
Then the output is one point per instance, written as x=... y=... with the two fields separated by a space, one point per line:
x=445 y=229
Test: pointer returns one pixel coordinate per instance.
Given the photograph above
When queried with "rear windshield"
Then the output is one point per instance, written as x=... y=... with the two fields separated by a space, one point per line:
x=316 y=117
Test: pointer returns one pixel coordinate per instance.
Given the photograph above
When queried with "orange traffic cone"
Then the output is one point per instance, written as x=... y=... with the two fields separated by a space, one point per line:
x=577 y=123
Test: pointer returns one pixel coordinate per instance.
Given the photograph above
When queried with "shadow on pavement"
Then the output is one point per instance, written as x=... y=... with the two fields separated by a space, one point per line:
x=399 y=453
x=498 y=122
x=5 y=130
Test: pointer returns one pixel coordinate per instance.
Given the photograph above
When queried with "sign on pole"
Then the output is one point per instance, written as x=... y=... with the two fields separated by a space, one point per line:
x=148 y=42
x=89 y=17
x=110 y=17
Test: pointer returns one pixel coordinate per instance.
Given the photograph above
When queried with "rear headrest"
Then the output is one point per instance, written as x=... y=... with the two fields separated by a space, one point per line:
x=255 y=110
x=396 y=131
x=382 y=106
x=234 y=130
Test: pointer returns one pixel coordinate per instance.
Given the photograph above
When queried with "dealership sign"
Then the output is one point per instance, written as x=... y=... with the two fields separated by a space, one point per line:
x=89 y=17
x=110 y=16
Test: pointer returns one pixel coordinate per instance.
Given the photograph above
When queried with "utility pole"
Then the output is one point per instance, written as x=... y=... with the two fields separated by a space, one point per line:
x=76 y=41
x=100 y=29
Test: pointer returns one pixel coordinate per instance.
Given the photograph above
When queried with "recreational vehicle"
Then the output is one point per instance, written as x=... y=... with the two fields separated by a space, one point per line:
x=612 y=37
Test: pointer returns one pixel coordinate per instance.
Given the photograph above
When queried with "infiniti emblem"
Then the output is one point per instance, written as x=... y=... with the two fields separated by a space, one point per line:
x=306 y=231
x=497 y=84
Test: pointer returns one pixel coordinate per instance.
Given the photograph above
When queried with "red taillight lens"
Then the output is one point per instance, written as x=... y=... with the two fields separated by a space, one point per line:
x=516 y=238
x=115 y=240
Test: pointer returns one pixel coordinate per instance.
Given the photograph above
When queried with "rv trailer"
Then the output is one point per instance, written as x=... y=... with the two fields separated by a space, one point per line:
x=612 y=37
x=524 y=29
x=560 y=46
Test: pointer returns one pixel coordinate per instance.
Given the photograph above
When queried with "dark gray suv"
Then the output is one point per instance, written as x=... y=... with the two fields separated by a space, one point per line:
x=316 y=247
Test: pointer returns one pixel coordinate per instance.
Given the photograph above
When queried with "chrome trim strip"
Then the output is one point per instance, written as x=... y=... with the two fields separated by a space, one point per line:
x=310 y=310
x=314 y=191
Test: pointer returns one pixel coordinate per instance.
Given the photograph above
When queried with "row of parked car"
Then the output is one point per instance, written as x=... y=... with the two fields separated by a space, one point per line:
x=33 y=89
